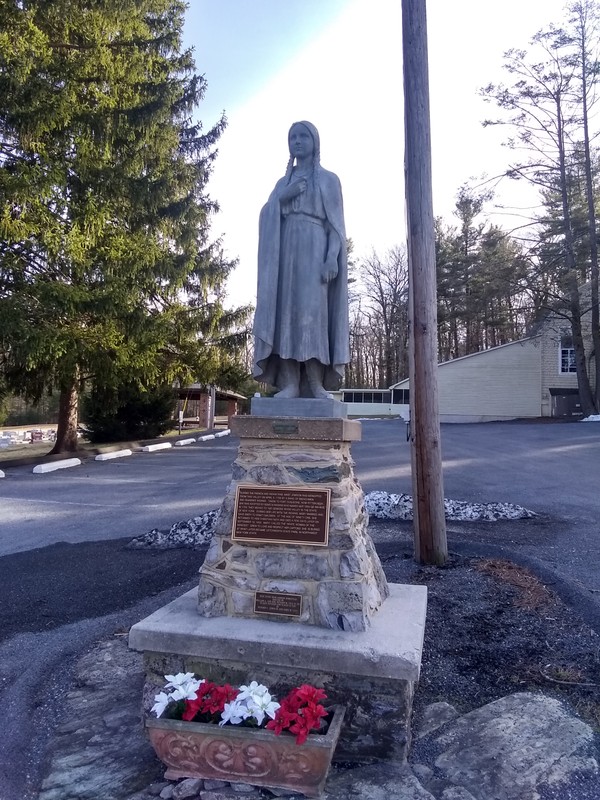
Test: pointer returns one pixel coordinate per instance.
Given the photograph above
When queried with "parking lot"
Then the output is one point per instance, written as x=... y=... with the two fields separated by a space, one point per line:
x=550 y=468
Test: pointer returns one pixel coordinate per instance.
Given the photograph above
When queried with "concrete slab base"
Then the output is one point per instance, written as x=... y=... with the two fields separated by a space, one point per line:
x=373 y=673
x=297 y=407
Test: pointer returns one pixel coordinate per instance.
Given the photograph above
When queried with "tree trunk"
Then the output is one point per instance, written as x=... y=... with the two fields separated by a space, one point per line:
x=572 y=276
x=66 y=434
x=591 y=209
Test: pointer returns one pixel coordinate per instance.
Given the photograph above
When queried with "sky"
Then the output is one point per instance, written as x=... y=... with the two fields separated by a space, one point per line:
x=338 y=63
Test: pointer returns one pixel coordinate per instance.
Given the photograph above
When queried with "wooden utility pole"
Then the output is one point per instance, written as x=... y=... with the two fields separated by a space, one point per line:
x=428 y=489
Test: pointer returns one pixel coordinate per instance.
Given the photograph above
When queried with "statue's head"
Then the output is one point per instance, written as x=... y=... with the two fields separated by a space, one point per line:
x=314 y=134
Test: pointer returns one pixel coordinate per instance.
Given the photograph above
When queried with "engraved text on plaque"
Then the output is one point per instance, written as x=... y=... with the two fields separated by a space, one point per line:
x=281 y=514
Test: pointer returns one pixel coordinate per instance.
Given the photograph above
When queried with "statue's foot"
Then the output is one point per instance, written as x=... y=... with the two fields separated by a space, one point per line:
x=288 y=393
x=318 y=390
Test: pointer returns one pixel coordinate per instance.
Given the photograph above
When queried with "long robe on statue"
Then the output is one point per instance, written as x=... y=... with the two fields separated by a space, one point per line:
x=298 y=316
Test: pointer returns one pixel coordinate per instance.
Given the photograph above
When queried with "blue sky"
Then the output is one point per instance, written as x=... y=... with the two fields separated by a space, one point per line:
x=240 y=43
x=338 y=63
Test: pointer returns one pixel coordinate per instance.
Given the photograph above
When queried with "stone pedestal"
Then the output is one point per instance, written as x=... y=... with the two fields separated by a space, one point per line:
x=356 y=637
x=372 y=673
x=341 y=585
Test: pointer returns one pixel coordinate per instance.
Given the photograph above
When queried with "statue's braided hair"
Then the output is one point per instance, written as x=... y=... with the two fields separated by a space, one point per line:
x=316 y=151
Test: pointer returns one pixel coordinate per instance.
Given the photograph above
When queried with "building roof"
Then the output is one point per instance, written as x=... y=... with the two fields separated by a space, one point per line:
x=195 y=389
x=405 y=381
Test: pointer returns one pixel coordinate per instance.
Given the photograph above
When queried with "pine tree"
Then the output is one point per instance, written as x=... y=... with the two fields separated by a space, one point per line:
x=107 y=272
x=547 y=107
x=481 y=274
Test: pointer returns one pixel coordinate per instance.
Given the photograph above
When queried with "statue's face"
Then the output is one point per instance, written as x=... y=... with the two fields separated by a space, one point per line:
x=301 y=142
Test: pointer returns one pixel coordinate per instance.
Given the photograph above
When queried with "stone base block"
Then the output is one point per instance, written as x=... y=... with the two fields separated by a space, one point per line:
x=373 y=673
x=297 y=407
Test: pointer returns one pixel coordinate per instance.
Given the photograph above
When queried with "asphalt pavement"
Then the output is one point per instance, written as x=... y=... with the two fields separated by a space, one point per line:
x=103 y=500
x=549 y=467
x=67 y=579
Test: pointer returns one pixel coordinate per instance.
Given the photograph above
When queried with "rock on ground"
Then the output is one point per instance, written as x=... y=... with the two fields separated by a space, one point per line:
x=515 y=748
x=383 y=505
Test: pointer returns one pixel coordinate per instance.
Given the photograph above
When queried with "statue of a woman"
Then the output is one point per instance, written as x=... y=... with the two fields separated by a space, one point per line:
x=301 y=340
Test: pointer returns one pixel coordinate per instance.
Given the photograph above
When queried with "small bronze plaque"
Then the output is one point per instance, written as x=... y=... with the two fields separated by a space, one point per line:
x=282 y=603
x=285 y=427
x=281 y=515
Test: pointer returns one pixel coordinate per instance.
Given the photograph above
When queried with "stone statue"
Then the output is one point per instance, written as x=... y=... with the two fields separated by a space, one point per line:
x=301 y=339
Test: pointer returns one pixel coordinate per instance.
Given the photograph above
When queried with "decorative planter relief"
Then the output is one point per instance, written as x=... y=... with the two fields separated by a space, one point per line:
x=248 y=755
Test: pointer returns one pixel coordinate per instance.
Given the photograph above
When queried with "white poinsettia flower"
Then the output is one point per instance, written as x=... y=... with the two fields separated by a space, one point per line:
x=186 y=691
x=161 y=701
x=234 y=713
x=254 y=689
x=261 y=706
x=177 y=680
x=184 y=685
x=272 y=709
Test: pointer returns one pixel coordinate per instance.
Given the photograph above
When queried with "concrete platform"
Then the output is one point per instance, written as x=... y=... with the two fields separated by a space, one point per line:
x=390 y=648
x=373 y=672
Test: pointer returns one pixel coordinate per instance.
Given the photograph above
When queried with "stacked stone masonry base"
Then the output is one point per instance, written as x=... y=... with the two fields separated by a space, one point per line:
x=342 y=585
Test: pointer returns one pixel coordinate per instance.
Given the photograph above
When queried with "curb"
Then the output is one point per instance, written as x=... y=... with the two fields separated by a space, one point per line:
x=40 y=469
x=113 y=454
x=152 y=448
x=53 y=463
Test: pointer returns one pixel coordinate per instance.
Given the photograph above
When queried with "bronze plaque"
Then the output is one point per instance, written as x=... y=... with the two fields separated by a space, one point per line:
x=281 y=515
x=282 y=603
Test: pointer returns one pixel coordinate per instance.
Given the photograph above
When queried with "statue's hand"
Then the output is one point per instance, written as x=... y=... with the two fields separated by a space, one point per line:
x=329 y=270
x=293 y=190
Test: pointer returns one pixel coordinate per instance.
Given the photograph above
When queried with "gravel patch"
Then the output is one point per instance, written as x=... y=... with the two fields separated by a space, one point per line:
x=197 y=532
x=382 y=505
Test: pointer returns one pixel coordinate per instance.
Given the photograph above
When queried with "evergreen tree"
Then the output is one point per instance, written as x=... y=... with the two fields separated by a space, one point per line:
x=547 y=106
x=482 y=278
x=107 y=273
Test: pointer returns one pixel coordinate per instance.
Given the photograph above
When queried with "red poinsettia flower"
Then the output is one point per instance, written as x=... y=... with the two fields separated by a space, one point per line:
x=300 y=712
x=310 y=694
x=210 y=700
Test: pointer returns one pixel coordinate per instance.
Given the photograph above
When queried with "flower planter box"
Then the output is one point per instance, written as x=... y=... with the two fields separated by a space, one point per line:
x=245 y=755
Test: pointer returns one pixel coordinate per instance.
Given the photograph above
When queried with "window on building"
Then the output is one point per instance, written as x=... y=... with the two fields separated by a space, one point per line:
x=364 y=396
x=567 y=354
x=400 y=397
x=382 y=397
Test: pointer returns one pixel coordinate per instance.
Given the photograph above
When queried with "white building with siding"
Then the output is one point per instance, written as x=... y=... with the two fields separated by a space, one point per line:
x=502 y=383
x=533 y=377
